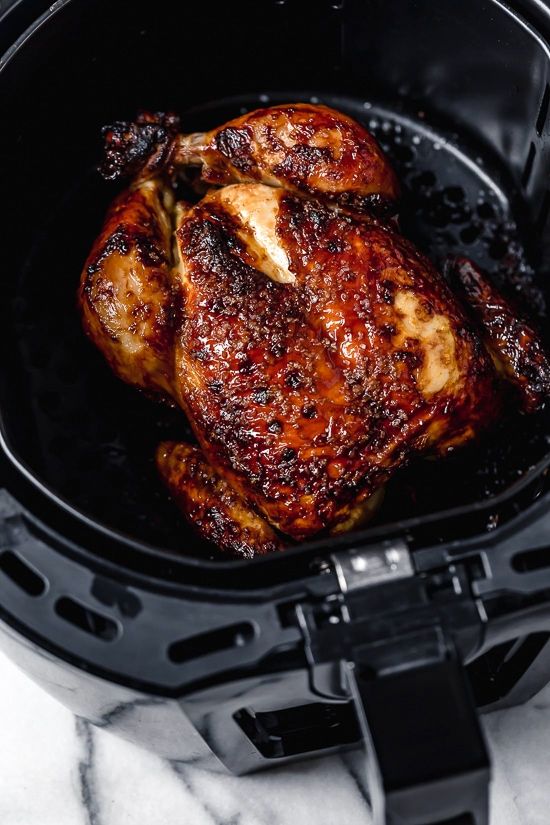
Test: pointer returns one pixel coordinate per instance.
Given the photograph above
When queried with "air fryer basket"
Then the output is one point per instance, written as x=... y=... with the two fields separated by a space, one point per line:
x=106 y=596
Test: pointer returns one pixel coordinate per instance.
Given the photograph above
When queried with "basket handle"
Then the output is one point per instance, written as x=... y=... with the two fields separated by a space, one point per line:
x=426 y=758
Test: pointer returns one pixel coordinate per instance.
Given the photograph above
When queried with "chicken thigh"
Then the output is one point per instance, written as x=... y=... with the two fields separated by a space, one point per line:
x=313 y=352
x=125 y=291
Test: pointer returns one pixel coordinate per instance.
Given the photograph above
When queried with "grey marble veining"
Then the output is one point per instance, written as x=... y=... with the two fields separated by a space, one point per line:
x=58 y=770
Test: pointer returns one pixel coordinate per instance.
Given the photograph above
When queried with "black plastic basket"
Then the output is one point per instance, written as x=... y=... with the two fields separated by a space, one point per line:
x=387 y=638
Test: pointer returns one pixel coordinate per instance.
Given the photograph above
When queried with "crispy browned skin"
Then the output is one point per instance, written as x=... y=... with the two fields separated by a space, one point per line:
x=310 y=150
x=307 y=395
x=515 y=346
x=215 y=510
x=125 y=291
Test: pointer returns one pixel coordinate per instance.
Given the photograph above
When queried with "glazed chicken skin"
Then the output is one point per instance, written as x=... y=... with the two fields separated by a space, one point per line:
x=314 y=353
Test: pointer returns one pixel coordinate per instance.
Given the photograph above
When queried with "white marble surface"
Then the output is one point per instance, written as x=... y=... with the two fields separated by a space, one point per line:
x=56 y=770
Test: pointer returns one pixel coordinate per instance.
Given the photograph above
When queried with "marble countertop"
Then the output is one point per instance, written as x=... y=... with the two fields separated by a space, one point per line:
x=58 y=770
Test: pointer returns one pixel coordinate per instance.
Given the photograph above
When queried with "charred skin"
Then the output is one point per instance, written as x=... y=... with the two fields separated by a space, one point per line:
x=313 y=151
x=308 y=395
x=514 y=344
x=139 y=149
x=126 y=297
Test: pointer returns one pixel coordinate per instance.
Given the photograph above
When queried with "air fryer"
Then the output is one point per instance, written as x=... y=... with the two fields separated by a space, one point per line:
x=385 y=639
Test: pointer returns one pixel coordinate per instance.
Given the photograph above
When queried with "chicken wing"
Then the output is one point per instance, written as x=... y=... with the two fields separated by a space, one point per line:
x=514 y=344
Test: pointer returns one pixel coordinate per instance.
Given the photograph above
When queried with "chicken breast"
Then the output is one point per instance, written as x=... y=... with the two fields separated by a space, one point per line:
x=317 y=355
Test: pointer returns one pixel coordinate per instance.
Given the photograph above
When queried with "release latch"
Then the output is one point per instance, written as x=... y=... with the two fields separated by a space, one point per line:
x=358 y=568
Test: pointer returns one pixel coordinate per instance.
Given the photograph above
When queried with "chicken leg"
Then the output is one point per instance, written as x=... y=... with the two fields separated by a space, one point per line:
x=309 y=150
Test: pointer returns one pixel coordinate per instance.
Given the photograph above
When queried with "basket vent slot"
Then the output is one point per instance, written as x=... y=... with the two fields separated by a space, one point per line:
x=530 y=560
x=86 y=619
x=194 y=647
x=528 y=168
x=21 y=574
x=543 y=111
x=300 y=729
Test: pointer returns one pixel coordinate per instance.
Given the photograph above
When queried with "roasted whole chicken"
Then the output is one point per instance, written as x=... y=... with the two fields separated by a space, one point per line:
x=313 y=349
